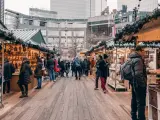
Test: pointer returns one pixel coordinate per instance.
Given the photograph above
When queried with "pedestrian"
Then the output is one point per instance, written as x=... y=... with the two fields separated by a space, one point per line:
x=103 y=67
x=97 y=73
x=92 y=64
x=77 y=64
x=62 y=68
x=86 y=66
x=50 y=67
x=73 y=68
x=38 y=73
x=8 y=71
x=67 y=68
x=139 y=84
x=105 y=57
x=24 y=77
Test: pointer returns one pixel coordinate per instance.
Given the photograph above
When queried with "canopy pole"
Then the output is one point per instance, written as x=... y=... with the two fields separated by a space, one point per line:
x=115 y=71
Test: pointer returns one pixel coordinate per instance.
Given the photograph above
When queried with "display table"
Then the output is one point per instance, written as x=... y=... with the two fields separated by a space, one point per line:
x=114 y=81
x=14 y=85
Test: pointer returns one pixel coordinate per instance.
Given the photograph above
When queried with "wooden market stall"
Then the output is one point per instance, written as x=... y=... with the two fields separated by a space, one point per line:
x=16 y=52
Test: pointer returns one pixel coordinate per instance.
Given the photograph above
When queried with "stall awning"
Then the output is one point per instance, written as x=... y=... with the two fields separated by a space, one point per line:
x=29 y=36
x=149 y=36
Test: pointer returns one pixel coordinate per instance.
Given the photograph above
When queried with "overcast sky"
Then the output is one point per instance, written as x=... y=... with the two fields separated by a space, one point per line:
x=24 y=5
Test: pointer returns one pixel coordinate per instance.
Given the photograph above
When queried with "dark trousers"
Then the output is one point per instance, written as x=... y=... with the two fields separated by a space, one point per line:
x=86 y=72
x=6 y=83
x=138 y=103
x=96 y=82
x=23 y=88
x=78 y=72
x=73 y=72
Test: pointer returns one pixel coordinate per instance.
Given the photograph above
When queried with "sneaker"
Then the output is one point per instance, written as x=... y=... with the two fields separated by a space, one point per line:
x=79 y=78
x=54 y=80
x=22 y=96
x=37 y=88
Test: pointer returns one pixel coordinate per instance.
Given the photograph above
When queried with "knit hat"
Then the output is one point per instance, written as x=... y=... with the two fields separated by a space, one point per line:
x=105 y=56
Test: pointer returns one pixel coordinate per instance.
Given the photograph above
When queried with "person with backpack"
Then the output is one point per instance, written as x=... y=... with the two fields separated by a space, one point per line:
x=77 y=64
x=134 y=70
x=8 y=71
x=38 y=73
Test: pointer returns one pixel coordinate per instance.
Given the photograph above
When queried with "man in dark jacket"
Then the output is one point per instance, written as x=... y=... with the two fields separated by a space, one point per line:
x=50 y=67
x=139 y=84
x=8 y=71
x=97 y=73
x=86 y=66
x=24 y=77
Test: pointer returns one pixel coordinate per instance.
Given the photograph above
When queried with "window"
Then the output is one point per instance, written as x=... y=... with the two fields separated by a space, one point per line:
x=42 y=23
x=30 y=22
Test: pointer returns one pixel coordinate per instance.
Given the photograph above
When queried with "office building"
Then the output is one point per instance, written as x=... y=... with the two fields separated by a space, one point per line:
x=66 y=35
x=73 y=9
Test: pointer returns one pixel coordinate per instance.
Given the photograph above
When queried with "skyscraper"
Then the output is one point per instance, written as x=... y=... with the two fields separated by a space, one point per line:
x=145 y=5
x=73 y=9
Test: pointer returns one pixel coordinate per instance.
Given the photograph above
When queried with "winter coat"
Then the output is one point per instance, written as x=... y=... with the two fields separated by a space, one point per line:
x=38 y=73
x=77 y=62
x=25 y=73
x=8 y=71
x=86 y=64
x=104 y=69
x=139 y=70
x=50 y=64
x=97 y=68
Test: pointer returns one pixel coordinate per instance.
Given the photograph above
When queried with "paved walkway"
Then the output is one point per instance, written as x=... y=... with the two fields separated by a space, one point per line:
x=70 y=99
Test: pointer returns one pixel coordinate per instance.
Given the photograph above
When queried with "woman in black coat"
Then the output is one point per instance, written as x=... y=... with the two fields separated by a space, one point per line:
x=24 y=77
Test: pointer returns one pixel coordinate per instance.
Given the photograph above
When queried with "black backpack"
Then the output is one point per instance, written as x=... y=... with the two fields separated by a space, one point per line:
x=127 y=70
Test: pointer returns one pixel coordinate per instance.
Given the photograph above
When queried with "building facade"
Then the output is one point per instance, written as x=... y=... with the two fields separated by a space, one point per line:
x=66 y=35
x=42 y=13
x=73 y=9
x=99 y=28
x=2 y=10
x=145 y=5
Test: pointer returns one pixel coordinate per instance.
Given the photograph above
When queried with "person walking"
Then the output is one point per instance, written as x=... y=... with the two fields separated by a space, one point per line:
x=8 y=71
x=139 y=84
x=97 y=73
x=77 y=64
x=24 y=77
x=38 y=73
x=50 y=67
x=86 y=66
x=73 y=68
x=103 y=73
x=62 y=65
x=67 y=68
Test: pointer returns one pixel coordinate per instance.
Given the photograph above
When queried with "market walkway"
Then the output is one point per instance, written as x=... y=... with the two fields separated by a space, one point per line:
x=70 y=99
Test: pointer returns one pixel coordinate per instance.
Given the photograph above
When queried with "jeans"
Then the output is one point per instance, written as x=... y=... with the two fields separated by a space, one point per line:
x=39 y=82
x=86 y=72
x=138 y=103
x=78 y=72
x=51 y=74
x=8 y=86
x=22 y=88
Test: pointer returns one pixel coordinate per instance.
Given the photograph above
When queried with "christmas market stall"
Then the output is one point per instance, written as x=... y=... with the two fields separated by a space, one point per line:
x=29 y=47
x=147 y=34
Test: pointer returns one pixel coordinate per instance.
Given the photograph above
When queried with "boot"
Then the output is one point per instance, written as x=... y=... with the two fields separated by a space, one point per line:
x=26 y=94
x=22 y=96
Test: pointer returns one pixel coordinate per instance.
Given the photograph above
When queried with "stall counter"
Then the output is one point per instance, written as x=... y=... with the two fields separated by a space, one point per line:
x=14 y=85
